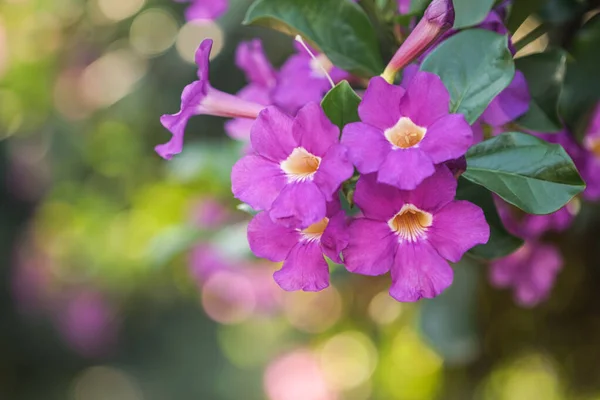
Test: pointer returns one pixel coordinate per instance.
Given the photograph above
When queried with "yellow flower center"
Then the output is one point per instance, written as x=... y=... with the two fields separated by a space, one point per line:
x=315 y=231
x=405 y=134
x=593 y=145
x=300 y=165
x=410 y=223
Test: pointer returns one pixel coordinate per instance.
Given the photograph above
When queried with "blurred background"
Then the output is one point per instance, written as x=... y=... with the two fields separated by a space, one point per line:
x=126 y=277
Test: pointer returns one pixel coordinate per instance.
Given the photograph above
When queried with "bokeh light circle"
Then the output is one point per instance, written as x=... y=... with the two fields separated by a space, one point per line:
x=153 y=32
x=193 y=33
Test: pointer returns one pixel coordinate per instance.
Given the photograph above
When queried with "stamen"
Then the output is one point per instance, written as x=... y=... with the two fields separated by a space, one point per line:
x=316 y=60
x=405 y=134
x=315 y=231
x=300 y=165
x=410 y=223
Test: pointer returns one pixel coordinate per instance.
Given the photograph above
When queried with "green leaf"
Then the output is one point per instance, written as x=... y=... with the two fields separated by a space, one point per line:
x=501 y=242
x=341 y=105
x=339 y=28
x=471 y=12
x=475 y=65
x=418 y=6
x=545 y=74
x=520 y=10
x=530 y=173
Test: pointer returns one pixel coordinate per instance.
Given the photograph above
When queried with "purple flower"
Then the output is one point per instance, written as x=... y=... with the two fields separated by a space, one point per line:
x=403 y=6
x=301 y=250
x=303 y=79
x=198 y=98
x=412 y=234
x=202 y=10
x=510 y=104
x=530 y=271
x=297 y=166
x=591 y=165
x=261 y=76
x=438 y=18
x=404 y=134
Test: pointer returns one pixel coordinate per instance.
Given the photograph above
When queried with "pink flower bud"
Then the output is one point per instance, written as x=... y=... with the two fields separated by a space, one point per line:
x=438 y=18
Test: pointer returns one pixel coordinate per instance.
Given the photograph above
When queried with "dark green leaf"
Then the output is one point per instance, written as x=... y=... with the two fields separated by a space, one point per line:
x=520 y=10
x=418 y=6
x=339 y=28
x=545 y=74
x=471 y=12
x=475 y=65
x=341 y=104
x=530 y=173
x=501 y=242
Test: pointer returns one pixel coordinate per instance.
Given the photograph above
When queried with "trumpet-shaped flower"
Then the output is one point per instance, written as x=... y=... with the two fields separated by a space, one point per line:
x=412 y=233
x=297 y=165
x=404 y=134
x=301 y=250
x=204 y=10
x=198 y=98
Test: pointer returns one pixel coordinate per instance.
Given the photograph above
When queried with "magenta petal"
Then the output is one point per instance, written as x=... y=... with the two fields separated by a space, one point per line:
x=271 y=134
x=419 y=272
x=376 y=200
x=367 y=146
x=447 y=138
x=304 y=269
x=333 y=171
x=510 y=104
x=456 y=228
x=405 y=168
x=270 y=240
x=426 y=99
x=408 y=73
x=335 y=237
x=176 y=124
x=205 y=10
x=299 y=205
x=434 y=192
x=313 y=130
x=202 y=58
x=380 y=104
x=535 y=286
x=250 y=57
x=371 y=247
x=257 y=181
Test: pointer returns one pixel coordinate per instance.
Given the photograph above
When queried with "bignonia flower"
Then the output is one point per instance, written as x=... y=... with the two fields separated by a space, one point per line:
x=405 y=133
x=412 y=233
x=591 y=160
x=301 y=250
x=198 y=98
x=297 y=165
x=530 y=272
x=204 y=10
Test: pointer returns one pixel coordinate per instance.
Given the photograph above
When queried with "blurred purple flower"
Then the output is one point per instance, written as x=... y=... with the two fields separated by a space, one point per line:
x=530 y=271
x=404 y=6
x=591 y=164
x=203 y=10
x=261 y=77
x=412 y=234
x=302 y=251
x=198 y=98
x=303 y=79
x=297 y=166
x=208 y=213
x=404 y=134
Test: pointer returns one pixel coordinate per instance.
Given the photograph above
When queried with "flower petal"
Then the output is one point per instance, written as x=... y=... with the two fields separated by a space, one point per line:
x=456 y=228
x=405 y=169
x=299 y=205
x=426 y=99
x=419 y=272
x=367 y=146
x=304 y=269
x=313 y=130
x=270 y=240
x=271 y=134
x=333 y=171
x=202 y=58
x=371 y=247
x=434 y=192
x=510 y=104
x=335 y=237
x=377 y=200
x=380 y=104
x=250 y=58
x=205 y=10
x=447 y=138
x=257 y=181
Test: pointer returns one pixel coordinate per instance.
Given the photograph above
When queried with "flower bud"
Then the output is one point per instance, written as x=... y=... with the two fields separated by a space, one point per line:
x=438 y=18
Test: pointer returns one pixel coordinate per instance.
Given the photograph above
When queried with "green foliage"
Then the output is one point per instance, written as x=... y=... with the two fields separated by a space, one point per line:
x=341 y=104
x=530 y=173
x=339 y=28
x=475 y=65
x=469 y=12
x=545 y=73
x=501 y=242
